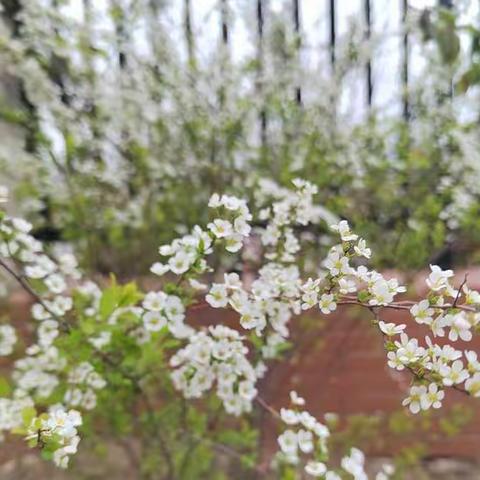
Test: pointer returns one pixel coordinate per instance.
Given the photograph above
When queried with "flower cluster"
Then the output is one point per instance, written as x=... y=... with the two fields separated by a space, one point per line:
x=278 y=293
x=38 y=374
x=304 y=435
x=217 y=355
x=47 y=274
x=187 y=253
x=162 y=310
x=184 y=253
x=283 y=211
x=58 y=431
x=436 y=367
x=11 y=413
x=8 y=338
x=233 y=226
x=83 y=380
x=305 y=442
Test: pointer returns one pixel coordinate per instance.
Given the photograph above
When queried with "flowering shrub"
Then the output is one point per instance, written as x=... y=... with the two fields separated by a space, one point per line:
x=100 y=122
x=114 y=352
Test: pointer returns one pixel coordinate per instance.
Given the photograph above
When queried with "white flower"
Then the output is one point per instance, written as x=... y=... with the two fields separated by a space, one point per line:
x=344 y=230
x=307 y=420
x=233 y=243
x=391 y=329
x=472 y=359
x=354 y=463
x=381 y=293
x=159 y=269
x=154 y=301
x=290 y=417
x=395 y=361
x=63 y=423
x=288 y=442
x=61 y=456
x=472 y=385
x=414 y=399
x=438 y=278
x=180 y=262
x=218 y=296
x=453 y=375
x=39 y=312
x=55 y=283
x=305 y=441
x=60 y=305
x=408 y=349
x=232 y=281
x=154 y=321
x=460 y=327
x=233 y=203
x=315 y=469
x=101 y=340
x=174 y=309
x=247 y=390
x=432 y=398
x=472 y=297
x=347 y=286
x=241 y=226
x=295 y=399
x=361 y=249
x=332 y=476
x=36 y=271
x=221 y=228
x=215 y=201
x=252 y=317
x=422 y=312
x=337 y=264
x=327 y=303
x=196 y=285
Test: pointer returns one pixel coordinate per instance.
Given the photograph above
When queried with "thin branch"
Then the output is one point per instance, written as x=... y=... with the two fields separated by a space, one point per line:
x=459 y=292
x=267 y=407
x=27 y=287
x=403 y=305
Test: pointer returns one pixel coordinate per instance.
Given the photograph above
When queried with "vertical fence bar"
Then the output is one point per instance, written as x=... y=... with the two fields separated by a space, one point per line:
x=224 y=50
x=187 y=15
x=368 y=33
x=332 y=24
x=296 y=24
x=224 y=14
x=260 y=27
x=405 y=60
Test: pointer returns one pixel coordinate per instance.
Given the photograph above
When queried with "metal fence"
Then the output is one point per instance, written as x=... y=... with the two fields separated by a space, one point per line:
x=385 y=78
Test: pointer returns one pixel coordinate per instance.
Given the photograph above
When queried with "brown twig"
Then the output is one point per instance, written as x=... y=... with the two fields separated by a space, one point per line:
x=267 y=407
x=460 y=290
x=27 y=287
x=401 y=305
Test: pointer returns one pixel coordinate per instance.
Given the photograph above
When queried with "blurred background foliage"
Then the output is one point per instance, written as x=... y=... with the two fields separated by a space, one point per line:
x=120 y=144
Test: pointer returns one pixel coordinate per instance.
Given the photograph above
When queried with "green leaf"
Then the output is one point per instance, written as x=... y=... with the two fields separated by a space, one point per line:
x=469 y=79
x=109 y=299
x=5 y=388
x=28 y=414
